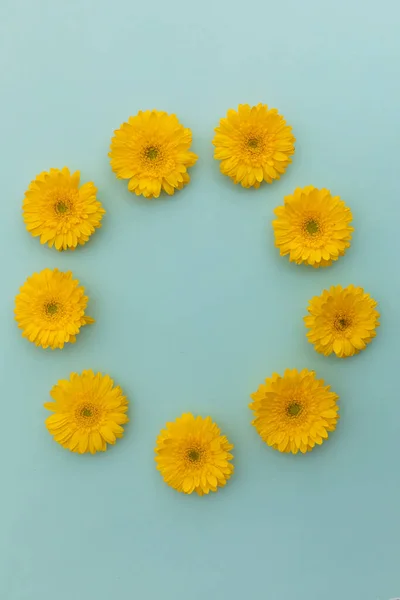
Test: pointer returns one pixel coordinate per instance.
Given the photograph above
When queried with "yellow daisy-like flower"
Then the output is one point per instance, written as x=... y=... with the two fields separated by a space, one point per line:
x=342 y=320
x=152 y=151
x=89 y=412
x=193 y=456
x=254 y=144
x=294 y=412
x=59 y=211
x=50 y=308
x=313 y=227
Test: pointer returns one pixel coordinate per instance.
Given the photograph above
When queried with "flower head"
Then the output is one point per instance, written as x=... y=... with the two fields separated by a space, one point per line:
x=254 y=144
x=88 y=412
x=342 y=320
x=312 y=227
x=50 y=308
x=193 y=456
x=152 y=151
x=294 y=412
x=59 y=211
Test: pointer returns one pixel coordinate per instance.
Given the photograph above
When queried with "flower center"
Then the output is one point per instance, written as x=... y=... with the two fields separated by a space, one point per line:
x=294 y=409
x=51 y=308
x=342 y=323
x=61 y=208
x=63 y=201
x=312 y=227
x=152 y=153
x=253 y=143
x=194 y=455
x=87 y=414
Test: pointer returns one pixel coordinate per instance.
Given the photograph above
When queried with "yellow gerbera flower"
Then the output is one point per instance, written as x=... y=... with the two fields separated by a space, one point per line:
x=294 y=412
x=342 y=321
x=88 y=412
x=254 y=145
x=50 y=308
x=59 y=211
x=193 y=456
x=152 y=151
x=313 y=227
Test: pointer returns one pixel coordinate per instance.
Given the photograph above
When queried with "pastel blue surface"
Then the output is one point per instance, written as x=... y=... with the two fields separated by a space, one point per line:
x=194 y=307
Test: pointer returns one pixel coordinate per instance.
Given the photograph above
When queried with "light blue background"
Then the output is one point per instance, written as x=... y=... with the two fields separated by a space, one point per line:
x=195 y=308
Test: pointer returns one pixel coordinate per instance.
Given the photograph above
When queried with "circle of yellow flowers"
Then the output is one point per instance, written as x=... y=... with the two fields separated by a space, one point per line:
x=293 y=412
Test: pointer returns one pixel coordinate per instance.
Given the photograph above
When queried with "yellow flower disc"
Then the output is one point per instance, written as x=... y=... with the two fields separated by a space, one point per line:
x=294 y=412
x=342 y=320
x=193 y=456
x=152 y=151
x=59 y=211
x=50 y=308
x=89 y=412
x=312 y=227
x=254 y=144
